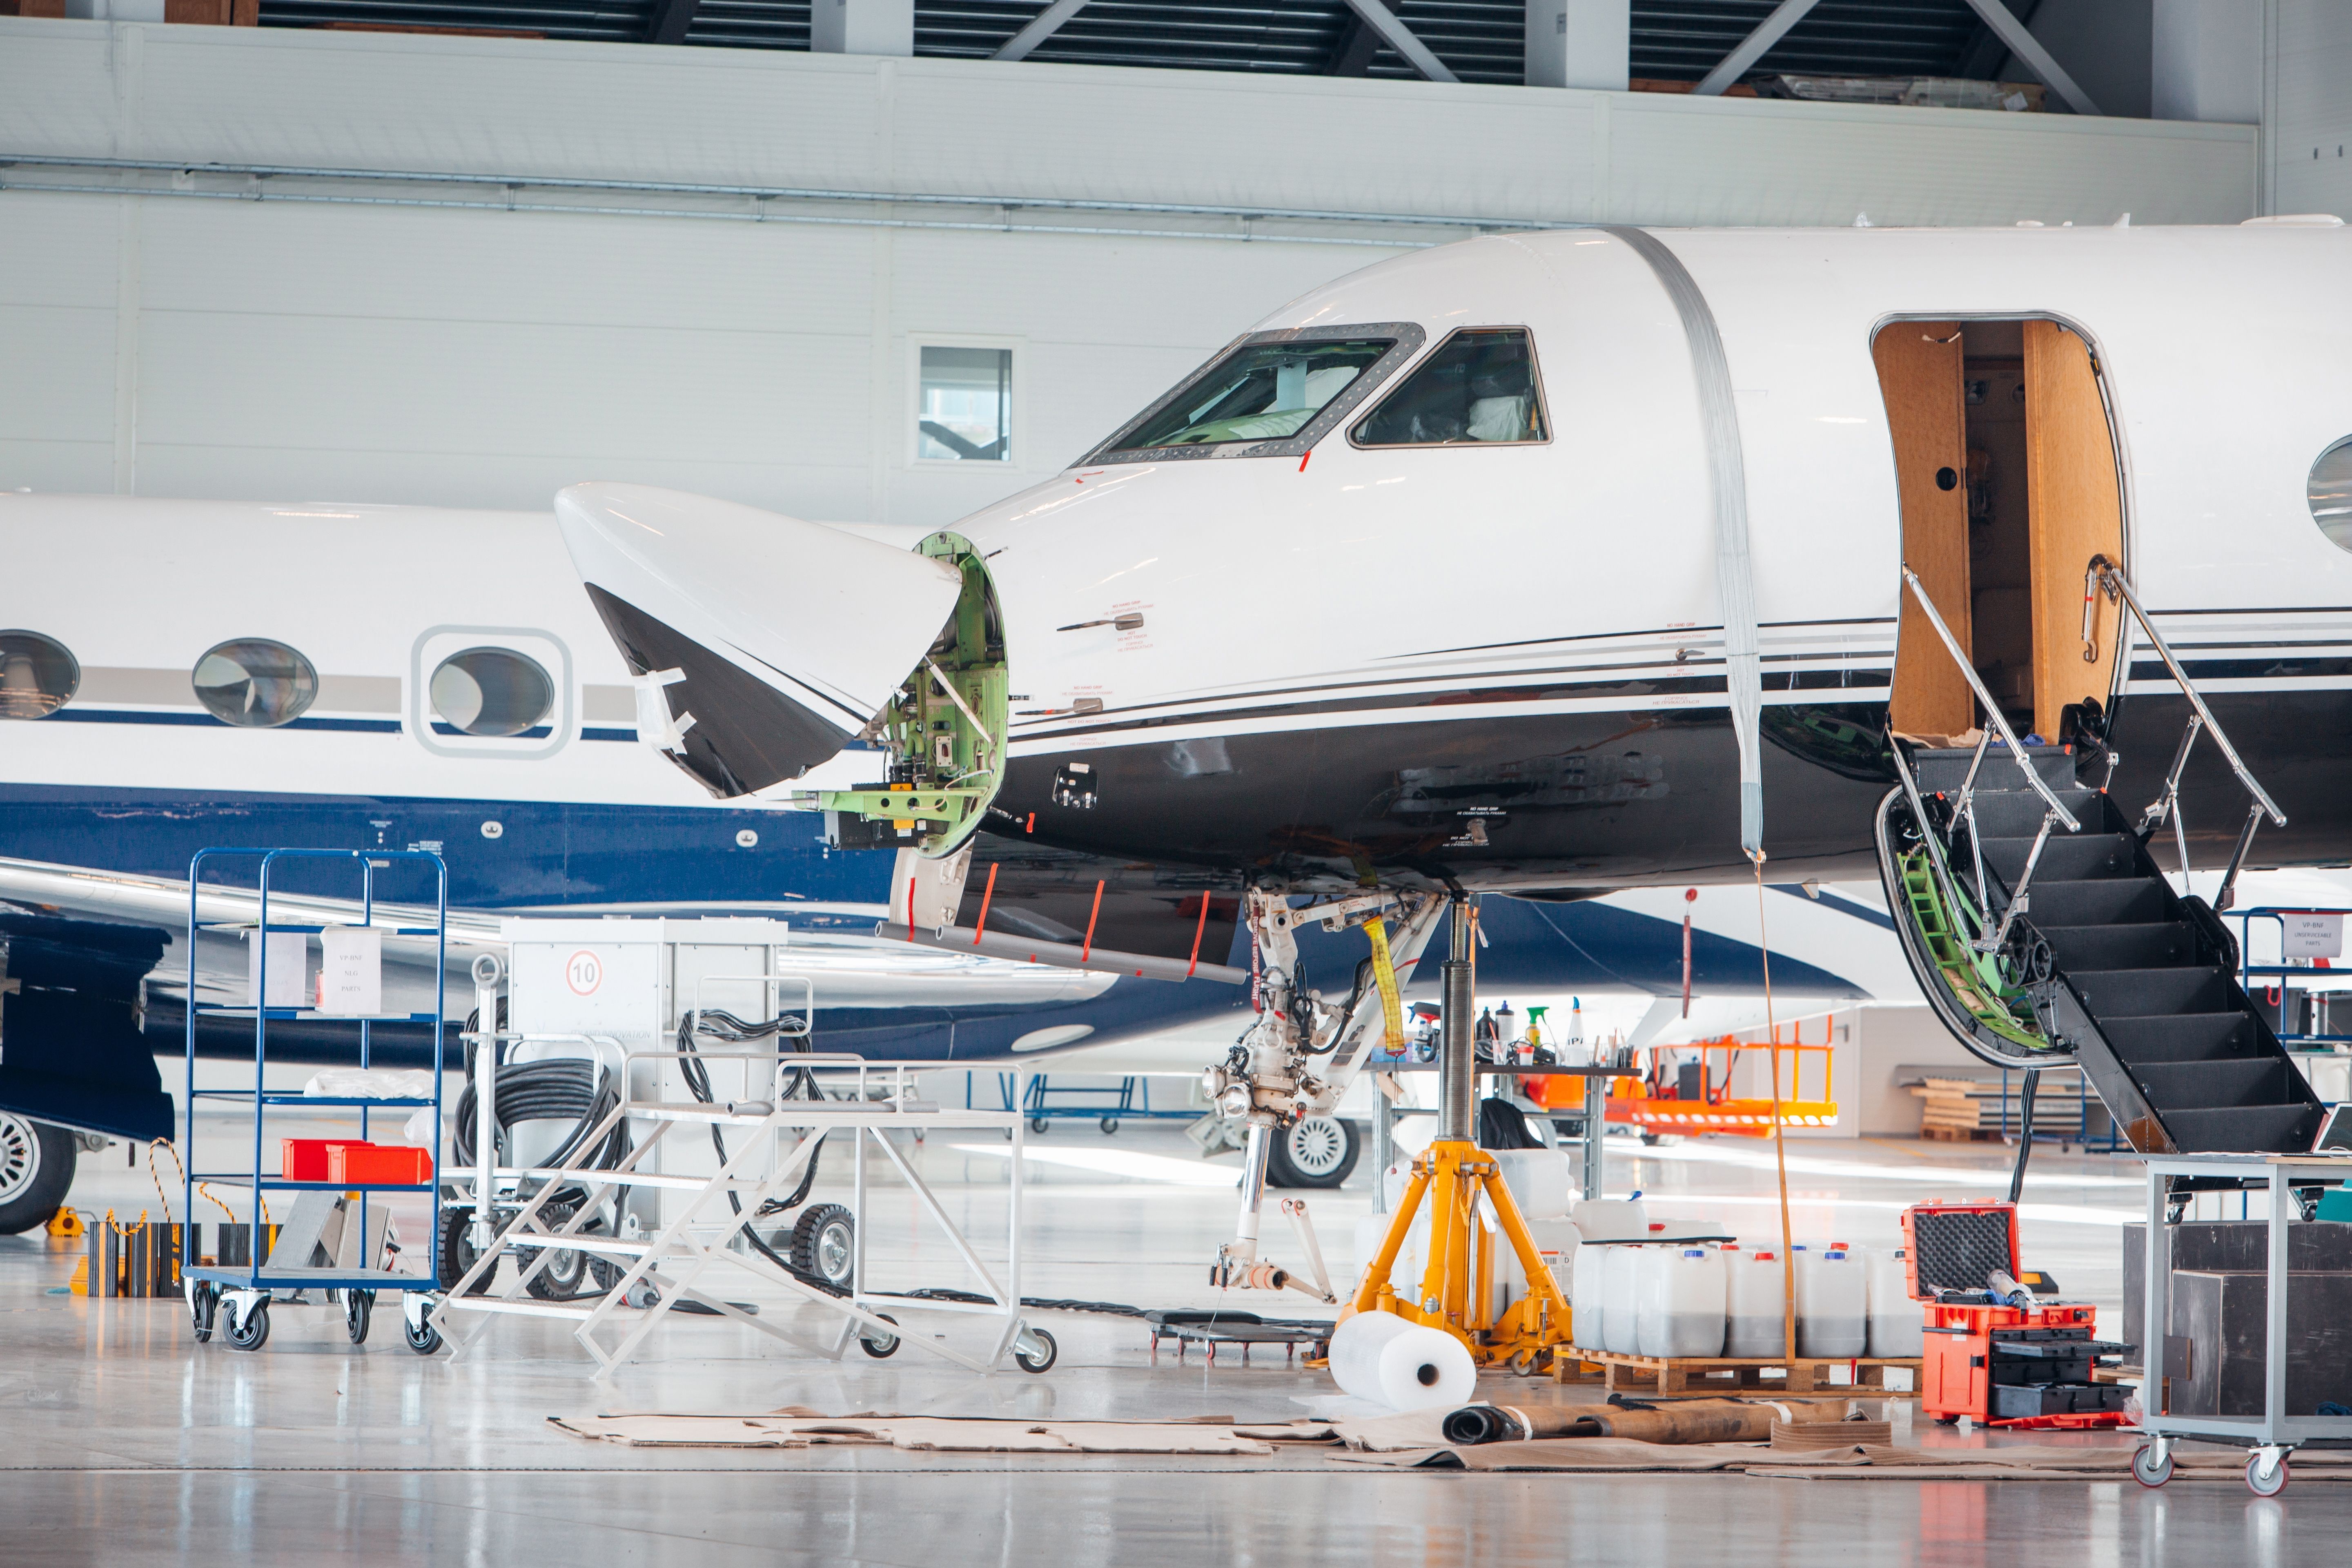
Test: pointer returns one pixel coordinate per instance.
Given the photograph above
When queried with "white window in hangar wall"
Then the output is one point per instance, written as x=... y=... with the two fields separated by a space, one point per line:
x=965 y=400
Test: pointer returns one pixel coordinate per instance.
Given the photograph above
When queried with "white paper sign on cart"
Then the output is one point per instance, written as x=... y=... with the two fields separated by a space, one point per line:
x=2312 y=935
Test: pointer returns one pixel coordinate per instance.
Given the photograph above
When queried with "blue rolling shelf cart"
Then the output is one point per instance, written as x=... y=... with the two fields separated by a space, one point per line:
x=247 y=1289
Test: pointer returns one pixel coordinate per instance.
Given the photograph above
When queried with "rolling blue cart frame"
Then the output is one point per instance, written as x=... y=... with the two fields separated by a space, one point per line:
x=1122 y=1101
x=249 y=1289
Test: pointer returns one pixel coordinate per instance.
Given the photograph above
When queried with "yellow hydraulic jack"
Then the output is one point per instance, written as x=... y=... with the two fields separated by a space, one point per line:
x=1456 y=1292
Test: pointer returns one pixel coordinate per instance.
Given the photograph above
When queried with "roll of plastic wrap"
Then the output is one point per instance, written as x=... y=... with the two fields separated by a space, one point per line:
x=1378 y=1355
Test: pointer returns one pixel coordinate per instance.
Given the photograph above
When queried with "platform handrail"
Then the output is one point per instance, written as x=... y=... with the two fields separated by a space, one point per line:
x=2020 y=898
x=2105 y=575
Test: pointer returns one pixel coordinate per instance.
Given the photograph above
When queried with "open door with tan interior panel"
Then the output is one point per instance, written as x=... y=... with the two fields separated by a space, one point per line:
x=1920 y=365
x=2074 y=506
x=2006 y=472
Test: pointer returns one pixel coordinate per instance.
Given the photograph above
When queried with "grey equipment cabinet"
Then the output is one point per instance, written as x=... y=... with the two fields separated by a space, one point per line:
x=2273 y=1435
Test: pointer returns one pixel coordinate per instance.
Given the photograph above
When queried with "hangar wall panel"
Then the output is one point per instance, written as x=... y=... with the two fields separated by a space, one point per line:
x=413 y=353
x=2308 y=92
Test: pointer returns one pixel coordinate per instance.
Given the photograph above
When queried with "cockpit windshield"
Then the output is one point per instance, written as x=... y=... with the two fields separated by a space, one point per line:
x=1259 y=391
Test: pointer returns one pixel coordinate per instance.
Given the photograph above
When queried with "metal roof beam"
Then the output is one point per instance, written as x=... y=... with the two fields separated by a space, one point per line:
x=2028 y=49
x=1398 y=36
x=1043 y=26
x=1753 y=48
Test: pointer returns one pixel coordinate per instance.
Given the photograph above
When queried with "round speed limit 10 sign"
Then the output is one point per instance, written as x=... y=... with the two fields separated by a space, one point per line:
x=584 y=972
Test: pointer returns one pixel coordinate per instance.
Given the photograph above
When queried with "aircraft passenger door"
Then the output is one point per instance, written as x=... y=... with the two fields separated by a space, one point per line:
x=2075 y=506
x=1919 y=366
x=2005 y=468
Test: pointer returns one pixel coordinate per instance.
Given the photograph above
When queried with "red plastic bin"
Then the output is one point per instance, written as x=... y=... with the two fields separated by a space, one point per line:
x=378 y=1164
x=305 y=1159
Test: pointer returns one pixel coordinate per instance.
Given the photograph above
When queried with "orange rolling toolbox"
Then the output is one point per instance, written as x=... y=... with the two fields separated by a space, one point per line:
x=2001 y=1357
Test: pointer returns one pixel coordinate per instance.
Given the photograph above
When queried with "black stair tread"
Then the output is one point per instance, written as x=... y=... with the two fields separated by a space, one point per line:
x=2137 y=992
x=2066 y=858
x=2243 y=1130
x=2152 y=944
x=2096 y=901
x=2148 y=1039
x=2010 y=813
x=2217 y=1086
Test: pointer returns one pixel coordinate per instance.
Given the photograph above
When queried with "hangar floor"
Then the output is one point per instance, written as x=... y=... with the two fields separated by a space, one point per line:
x=128 y=1443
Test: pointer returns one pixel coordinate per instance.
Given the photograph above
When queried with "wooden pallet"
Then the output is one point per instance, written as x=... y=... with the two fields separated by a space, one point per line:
x=1733 y=1376
x=1960 y=1134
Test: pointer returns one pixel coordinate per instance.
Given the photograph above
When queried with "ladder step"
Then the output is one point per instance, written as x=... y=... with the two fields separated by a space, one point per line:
x=2155 y=944
x=640 y=1179
x=2136 y=992
x=2239 y=1129
x=2082 y=856
x=598 y=1243
x=2010 y=814
x=2217 y=1085
x=2180 y=1037
x=522 y=1309
x=2097 y=902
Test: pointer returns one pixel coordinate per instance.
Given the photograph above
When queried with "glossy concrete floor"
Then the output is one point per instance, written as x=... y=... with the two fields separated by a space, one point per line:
x=127 y=1443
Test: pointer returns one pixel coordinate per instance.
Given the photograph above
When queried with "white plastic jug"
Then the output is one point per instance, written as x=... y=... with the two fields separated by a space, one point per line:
x=1754 y=1288
x=1897 y=1322
x=1619 y=1311
x=1585 y=1292
x=1833 y=1304
x=1680 y=1294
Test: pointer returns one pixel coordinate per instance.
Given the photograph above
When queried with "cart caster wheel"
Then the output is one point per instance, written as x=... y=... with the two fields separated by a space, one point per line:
x=203 y=1305
x=250 y=1331
x=1947 y=1420
x=2266 y=1482
x=1043 y=1359
x=358 y=1307
x=876 y=1344
x=1110 y=1125
x=1008 y=1135
x=422 y=1338
x=1037 y=1124
x=2149 y=1469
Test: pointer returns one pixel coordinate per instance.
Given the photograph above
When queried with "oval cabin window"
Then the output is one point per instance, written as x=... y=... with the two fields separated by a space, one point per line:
x=492 y=692
x=37 y=676
x=255 y=684
x=2329 y=492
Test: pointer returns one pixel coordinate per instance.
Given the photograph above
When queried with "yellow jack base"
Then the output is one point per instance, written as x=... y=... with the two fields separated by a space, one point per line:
x=1456 y=1291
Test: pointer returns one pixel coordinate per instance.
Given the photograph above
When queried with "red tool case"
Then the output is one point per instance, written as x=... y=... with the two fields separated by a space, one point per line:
x=2000 y=1364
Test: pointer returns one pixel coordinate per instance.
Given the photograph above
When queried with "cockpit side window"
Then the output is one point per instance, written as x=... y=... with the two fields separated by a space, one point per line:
x=1480 y=387
x=1270 y=395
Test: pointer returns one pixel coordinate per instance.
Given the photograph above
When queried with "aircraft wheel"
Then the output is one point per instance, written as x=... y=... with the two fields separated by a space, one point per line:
x=1315 y=1151
x=36 y=1167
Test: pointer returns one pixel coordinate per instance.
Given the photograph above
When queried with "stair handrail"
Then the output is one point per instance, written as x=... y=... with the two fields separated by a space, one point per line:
x=1984 y=701
x=2020 y=897
x=2105 y=575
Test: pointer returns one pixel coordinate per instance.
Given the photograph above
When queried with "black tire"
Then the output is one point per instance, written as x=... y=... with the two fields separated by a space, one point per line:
x=1110 y=1125
x=203 y=1303
x=359 y=1306
x=422 y=1338
x=36 y=1167
x=1314 y=1152
x=880 y=1346
x=1043 y=1361
x=825 y=1244
x=1037 y=1125
x=458 y=1252
x=253 y=1332
x=566 y=1274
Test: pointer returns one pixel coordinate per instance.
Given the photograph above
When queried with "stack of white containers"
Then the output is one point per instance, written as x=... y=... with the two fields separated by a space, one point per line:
x=1673 y=1299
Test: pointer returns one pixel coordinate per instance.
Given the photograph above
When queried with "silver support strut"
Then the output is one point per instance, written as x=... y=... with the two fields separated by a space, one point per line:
x=1253 y=1190
x=1596 y=1133
x=1457 y=1069
x=487 y=970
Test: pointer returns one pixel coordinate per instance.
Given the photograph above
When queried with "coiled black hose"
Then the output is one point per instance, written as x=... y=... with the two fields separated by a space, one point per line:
x=581 y=1092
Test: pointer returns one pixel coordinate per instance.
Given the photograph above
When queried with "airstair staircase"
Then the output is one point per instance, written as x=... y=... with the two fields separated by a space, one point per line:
x=2046 y=934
